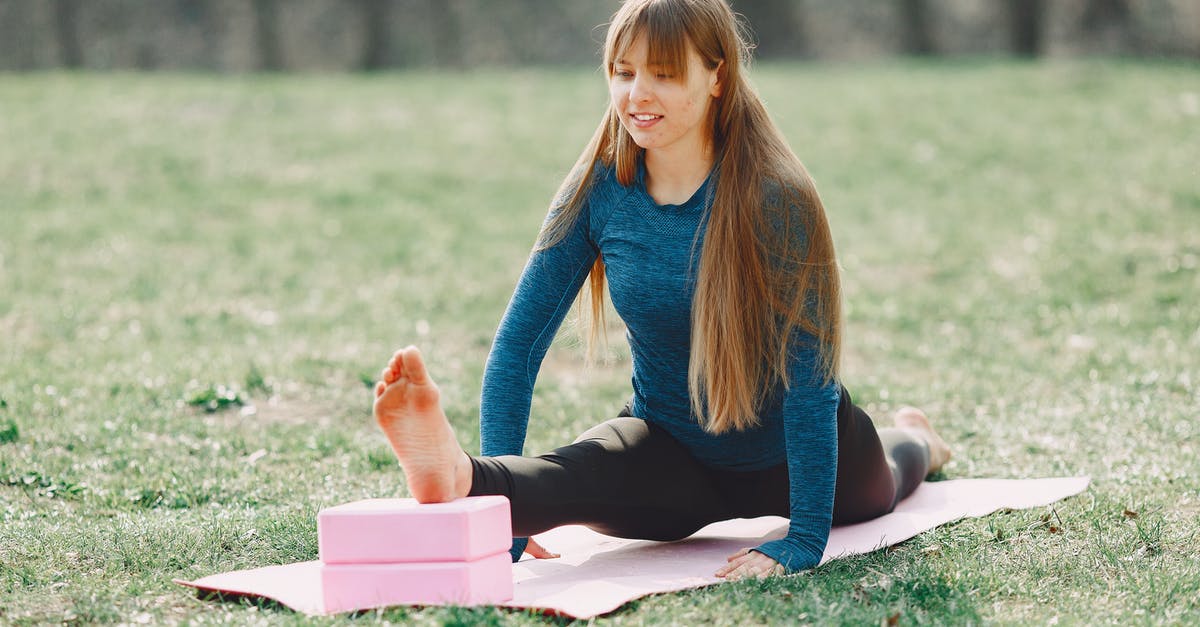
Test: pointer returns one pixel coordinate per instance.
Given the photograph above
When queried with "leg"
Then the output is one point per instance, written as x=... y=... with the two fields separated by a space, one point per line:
x=408 y=408
x=876 y=469
x=907 y=458
x=623 y=478
x=917 y=424
x=866 y=486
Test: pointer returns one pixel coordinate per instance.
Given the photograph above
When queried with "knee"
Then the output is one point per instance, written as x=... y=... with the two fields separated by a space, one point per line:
x=865 y=500
x=618 y=432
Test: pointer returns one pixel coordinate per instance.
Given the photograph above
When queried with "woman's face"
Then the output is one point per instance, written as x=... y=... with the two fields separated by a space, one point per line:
x=663 y=112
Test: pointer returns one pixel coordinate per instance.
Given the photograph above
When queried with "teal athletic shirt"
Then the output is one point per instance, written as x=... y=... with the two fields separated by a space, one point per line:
x=650 y=253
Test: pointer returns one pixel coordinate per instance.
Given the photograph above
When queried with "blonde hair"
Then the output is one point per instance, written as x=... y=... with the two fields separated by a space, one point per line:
x=767 y=265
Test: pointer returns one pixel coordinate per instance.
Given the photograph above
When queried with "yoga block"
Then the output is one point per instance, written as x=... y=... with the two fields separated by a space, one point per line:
x=361 y=586
x=384 y=531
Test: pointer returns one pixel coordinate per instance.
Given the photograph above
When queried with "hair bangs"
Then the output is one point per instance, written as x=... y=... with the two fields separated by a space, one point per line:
x=667 y=40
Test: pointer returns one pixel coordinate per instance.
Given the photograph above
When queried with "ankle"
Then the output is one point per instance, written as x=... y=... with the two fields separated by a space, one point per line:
x=464 y=475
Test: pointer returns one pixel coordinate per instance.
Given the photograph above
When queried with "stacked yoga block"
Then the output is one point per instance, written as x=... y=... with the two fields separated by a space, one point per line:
x=382 y=552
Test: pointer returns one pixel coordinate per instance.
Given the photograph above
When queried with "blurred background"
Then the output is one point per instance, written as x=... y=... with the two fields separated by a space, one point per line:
x=203 y=264
x=350 y=35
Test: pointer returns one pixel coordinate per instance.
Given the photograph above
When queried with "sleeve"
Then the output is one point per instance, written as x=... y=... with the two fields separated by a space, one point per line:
x=547 y=287
x=810 y=434
x=809 y=412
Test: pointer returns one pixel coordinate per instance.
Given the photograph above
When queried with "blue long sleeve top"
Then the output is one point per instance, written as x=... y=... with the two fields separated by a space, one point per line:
x=651 y=252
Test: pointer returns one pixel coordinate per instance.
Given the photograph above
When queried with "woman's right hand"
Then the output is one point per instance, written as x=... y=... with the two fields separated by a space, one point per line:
x=538 y=551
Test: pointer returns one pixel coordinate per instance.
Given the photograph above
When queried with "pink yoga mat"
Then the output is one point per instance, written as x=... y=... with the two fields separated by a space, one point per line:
x=598 y=574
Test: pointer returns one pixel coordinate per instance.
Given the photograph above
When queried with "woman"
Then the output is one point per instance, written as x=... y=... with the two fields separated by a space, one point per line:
x=718 y=257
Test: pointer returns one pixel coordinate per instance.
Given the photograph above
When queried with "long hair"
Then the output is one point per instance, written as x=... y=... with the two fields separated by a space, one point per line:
x=767 y=267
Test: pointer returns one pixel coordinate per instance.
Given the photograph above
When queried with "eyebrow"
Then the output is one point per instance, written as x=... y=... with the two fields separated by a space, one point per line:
x=653 y=64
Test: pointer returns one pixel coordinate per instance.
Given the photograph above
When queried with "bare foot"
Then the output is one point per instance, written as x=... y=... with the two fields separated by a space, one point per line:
x=408 y=408
x=915 y=421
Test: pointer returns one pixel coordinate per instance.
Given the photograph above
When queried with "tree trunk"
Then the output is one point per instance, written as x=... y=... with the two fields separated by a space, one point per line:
x=1026 y=21
x=66 y=26
x=266 y=30
x=918 y=33
x=375 y=34
x=778 y=27
x=447 y=46
x=201 y=14
x=1110 y=23
x=1100 y=13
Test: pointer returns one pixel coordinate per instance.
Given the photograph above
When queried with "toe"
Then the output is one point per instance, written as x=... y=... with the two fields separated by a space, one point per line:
x=388 y=376
x=379 y=388
x=414 y=366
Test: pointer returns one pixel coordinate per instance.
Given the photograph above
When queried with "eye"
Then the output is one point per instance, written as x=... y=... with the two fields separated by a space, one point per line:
x=621 y=73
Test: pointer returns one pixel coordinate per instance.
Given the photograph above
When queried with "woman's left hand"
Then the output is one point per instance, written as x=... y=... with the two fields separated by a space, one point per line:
x=749 y=563
x=537 y=551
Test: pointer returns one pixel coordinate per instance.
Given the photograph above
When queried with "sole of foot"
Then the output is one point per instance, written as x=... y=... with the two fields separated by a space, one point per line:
x=913 y=419
x=408 y=409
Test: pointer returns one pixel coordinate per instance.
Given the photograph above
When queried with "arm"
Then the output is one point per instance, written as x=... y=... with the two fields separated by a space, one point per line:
x=547 y=287
x=809 y=409
x=545 y=291
x=809 y=405
x=810 y=432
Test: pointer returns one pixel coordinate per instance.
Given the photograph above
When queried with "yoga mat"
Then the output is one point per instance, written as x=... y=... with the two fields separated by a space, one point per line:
x=598 y=574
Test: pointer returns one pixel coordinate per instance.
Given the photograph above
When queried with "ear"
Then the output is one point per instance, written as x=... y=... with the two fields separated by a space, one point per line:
x=716 y=81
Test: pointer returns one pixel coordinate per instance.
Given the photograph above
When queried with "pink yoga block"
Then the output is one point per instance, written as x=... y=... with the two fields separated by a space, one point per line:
x=361 y=586
x=385 y=531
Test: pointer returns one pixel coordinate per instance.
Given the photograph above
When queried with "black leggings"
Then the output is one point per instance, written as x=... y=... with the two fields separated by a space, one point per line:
x=630 y=479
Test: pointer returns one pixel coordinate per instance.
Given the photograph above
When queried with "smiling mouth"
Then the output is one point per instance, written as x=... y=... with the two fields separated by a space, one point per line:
x=645 y=117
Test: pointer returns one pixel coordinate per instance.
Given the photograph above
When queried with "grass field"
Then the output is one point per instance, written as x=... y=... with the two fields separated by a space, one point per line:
x=1021 y=254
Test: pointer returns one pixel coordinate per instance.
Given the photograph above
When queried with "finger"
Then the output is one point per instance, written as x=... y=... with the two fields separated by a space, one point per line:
x=740 y=553
x=754 y=565
x=733 y=565
x=741 y=572
x=538 y=551
x=742 y=560
x=535 y=549
x=768 y=568
x=754 y=570
x=543 y=554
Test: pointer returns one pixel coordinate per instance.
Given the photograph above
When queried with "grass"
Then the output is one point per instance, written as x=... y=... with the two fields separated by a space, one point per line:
x=199 y=277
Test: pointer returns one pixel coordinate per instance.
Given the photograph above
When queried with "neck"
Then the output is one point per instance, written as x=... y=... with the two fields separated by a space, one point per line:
x=671 y=179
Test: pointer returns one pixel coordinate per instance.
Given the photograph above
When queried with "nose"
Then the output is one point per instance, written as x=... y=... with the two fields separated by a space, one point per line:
x=640 y=90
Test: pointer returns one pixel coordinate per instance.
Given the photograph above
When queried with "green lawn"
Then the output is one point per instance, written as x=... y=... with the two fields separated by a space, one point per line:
x=1021 y=254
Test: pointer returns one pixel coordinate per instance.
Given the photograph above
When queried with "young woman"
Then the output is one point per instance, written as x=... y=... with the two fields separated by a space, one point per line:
x=717 y=255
